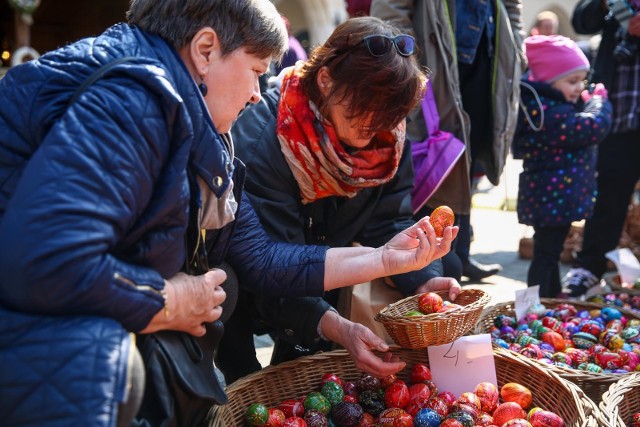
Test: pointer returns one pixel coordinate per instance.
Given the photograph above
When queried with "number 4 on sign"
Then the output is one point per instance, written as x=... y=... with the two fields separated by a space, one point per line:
x=461 y=365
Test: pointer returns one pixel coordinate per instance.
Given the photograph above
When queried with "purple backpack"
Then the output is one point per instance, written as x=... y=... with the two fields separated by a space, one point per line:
x=435 y=157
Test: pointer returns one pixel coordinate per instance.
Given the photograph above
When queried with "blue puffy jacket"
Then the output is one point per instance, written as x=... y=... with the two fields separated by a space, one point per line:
x=94 y=209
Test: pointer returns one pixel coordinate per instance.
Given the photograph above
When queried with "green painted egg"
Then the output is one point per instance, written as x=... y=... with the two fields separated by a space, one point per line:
x=333 y=392
x=257 y=414
x=317 y=402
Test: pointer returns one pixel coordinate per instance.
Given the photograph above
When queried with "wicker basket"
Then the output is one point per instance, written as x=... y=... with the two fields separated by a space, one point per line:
x=292 y=379
x=592 y=383
x=436 y=328
x=621 y=401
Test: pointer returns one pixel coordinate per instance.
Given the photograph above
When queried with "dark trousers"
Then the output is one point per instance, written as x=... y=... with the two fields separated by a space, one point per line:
x=618 y=172
x=548 y=243
x=475 y=91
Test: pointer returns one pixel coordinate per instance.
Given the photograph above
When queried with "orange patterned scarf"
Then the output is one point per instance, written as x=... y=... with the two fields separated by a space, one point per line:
x=320 y=163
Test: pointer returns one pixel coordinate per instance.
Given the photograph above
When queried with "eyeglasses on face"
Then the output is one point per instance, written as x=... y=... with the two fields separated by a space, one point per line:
x=379 y=45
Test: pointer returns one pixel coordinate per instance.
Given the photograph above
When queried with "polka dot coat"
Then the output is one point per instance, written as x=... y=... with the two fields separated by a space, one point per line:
x=557 y=141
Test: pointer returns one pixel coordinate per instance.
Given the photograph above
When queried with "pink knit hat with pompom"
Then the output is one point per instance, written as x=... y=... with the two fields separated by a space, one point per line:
x=553 y=57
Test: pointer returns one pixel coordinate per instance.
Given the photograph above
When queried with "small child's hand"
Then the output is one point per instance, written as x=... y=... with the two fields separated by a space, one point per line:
x=599 y=90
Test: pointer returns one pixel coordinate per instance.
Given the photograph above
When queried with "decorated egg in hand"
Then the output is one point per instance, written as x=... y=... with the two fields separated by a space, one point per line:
x=441 y=218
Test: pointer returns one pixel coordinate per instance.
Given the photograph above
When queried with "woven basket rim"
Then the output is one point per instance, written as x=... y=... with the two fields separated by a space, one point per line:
x=588 y=412
x=617 y=396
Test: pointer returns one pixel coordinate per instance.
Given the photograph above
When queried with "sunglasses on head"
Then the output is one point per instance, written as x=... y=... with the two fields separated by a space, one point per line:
x=380 y=45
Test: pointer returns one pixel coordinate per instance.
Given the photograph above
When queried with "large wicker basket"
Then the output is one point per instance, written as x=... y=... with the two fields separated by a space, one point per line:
x=592 y=383
x=436 y=328
x=621 y=401
x=292 y=379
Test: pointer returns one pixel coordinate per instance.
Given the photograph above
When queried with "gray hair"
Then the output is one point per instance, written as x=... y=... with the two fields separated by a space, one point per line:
x=255 y=25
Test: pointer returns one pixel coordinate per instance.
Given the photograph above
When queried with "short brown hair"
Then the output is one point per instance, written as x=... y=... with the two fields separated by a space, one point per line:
x=255 y=25
x=383 y=89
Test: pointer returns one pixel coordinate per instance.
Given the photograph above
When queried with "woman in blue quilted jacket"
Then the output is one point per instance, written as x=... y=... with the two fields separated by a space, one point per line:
x=118 y=194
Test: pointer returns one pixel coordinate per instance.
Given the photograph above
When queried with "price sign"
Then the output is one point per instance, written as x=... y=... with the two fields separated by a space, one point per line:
x=525 y=299
x=462 y=364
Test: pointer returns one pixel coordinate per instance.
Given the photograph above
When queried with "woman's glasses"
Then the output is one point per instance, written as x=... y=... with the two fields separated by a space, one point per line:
x=380 y=45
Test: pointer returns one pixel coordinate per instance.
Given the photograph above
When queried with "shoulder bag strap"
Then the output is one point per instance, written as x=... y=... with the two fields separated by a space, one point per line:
x=96 y=75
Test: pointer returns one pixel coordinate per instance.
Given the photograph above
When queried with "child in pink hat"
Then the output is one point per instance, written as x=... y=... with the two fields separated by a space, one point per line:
x=559 y=126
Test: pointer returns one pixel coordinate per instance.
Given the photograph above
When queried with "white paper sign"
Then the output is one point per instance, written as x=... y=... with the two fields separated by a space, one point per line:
x=525 y=298
x=626 y=263
x=461 y=365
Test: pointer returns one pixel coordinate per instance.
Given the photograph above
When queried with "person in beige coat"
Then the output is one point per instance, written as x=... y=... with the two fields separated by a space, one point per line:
x=491 y=99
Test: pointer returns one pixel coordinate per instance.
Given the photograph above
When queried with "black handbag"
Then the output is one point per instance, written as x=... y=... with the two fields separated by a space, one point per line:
x=181 y=383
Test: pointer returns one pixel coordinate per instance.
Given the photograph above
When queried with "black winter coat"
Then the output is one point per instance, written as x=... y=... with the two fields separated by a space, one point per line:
x=370 y=218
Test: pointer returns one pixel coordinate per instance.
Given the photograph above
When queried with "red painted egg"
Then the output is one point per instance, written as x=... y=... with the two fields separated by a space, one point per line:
x=395 y=417
x=276 y=418
x=440 y=218
x=514 y=392
x=488 y=394
x=448 y=397
x=396 y=395
x=430 y=302
x=544 y=418
x=470 y=398
x=438 y=405
x=419 y=393
x=295 y=422
x=609 y=360
x=366 y=421
x=518 y=422
x=484 y=419
x=331 y=377
x=291 y=408
x=508 y=411
x=554 y=339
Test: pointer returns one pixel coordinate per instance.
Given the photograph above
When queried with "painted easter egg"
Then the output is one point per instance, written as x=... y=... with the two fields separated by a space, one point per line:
x=440 y=218
x=257 y=414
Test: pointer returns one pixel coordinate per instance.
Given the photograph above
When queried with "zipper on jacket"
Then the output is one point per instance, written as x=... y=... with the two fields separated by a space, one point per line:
x=130 y=282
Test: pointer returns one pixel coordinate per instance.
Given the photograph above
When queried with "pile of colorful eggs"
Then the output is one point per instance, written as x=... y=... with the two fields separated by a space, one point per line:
x=391 y=402
x=622 y=300
x=600 y=340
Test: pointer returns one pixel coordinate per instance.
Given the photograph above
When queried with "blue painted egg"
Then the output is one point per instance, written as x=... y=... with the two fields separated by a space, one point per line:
x=426 y=417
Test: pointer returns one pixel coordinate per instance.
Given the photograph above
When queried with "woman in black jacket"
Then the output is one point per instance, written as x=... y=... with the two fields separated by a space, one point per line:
x=328 y=163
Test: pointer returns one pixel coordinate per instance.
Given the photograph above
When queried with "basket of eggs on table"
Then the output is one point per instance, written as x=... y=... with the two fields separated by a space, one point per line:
x=326 y=389
x=431 y=318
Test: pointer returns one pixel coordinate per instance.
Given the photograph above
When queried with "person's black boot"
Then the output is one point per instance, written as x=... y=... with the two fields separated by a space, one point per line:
x=476 y=271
